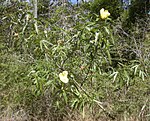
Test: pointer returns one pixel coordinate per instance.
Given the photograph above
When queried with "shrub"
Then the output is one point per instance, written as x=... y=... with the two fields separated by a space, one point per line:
x=107 y=67
x=138 y=9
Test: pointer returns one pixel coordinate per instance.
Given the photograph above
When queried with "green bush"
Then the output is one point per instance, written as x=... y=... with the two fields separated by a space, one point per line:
x=107 y=67
x=138 y=10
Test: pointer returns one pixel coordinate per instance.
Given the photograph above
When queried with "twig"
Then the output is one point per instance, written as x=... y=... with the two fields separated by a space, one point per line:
x=143 y=108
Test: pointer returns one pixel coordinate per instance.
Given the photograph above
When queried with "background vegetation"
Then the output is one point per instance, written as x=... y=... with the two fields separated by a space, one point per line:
x=107 y=61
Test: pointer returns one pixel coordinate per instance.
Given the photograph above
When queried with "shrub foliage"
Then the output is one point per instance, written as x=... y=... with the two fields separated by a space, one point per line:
x=107 y=67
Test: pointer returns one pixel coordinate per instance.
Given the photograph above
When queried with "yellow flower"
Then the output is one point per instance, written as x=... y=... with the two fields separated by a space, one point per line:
x=63 y=77
x=104 y=13
x=60 y=42
x=16 y=34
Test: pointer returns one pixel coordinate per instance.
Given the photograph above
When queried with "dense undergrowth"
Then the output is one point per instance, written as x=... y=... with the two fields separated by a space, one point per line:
x=107 y=64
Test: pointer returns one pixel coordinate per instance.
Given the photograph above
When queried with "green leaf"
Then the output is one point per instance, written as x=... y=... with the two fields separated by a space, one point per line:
x=65 y=96
x=107 y=30
x=109 y=57
x=74 y=103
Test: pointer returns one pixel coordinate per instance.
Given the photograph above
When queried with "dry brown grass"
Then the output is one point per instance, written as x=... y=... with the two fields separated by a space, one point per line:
x=73 y=117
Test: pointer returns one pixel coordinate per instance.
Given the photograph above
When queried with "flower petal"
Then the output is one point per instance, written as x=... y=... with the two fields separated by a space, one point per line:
x=65 y=73
x=63 y=77
x=104 y=13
